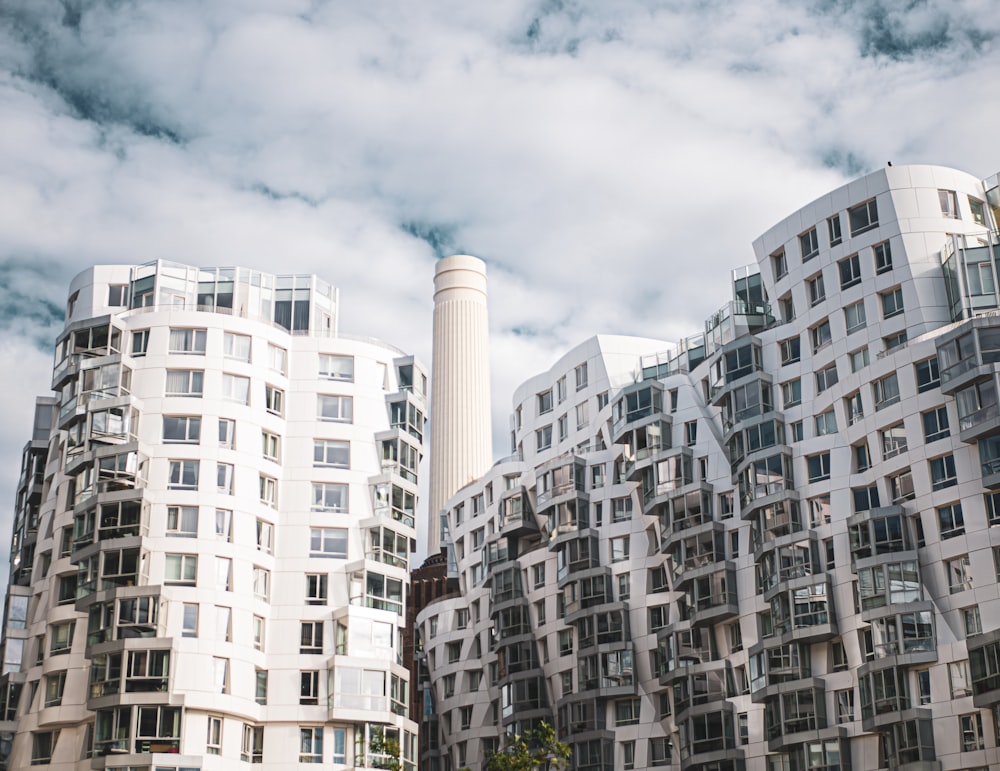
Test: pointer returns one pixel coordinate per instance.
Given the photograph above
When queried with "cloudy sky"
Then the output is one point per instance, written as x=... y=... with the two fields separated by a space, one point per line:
x=611 y=161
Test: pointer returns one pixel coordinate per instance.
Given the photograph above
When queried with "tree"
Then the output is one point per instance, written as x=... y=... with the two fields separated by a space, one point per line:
x=538 y=750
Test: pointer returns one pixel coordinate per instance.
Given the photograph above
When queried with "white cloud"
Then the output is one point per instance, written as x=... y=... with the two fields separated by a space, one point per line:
x=611 y=162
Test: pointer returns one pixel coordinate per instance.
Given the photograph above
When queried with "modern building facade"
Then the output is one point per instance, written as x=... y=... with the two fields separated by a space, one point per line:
x=215 y=516
x=774 y=546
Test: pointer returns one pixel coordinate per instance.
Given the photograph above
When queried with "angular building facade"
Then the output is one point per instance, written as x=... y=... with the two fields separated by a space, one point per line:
x=213 y=528
x=774 y=546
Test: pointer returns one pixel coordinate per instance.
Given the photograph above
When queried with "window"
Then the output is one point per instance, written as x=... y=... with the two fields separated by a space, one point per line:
x=779 y=265
x=978 y=211
x=845 y=705
x=795 y=432
x=337 y=409
x=277 y=358
x=543 y=438
x=789 y=350
x=42 y=744
x=182 y=521
x=538 y=575
x=236 y=346
x=859 y=359
x=973 y=622
x=883 y=257
x=309 y=686
x=61 y=638
x=182 y=475
x=465 y=719
x=180 y=569
x=260 y=686
x=791 y=393
x=213 y=743
x=951 y=521
x=854 y=408
x=892 y=302
x=224 y=478
x=316 y=588
x=786 y=306
x=181 y=430
x=140 y=342
x=893 y=441
x=561 y=390
x=329 y=496
x=959 y=574
x=274 y=400
x=901 y=487
x=862 y=458
x=928 y=376
x=334 y=367
x=619 y=548
x=563 y=428
x=943 y=472
x=582 y=415
x=311 y=637
x=854 y=316
x=544 y=401
x=659 y=751
x=826 y=423
x=826 y=377
x=236 y=388
x=691 y=432
x=863 y=217
x=268 y=490
x=581 y=376
x=454 y=652
x=815 y=288
x=885 y=391
x=220 y=668
x=187 y=341
x=820 y=335
x=935 y=424
x=865 y=498
x=184 y=382
x=227 y=431
x=970 y=728
x=259 y=630
x=808 y=244
x=949 y=204
x=118 y=295
x=328 y=542
x=959 y=679
x=819 y=467
x=850 y=271
x=253 y=744
x=224 y=574
x=627 y=712
x=833 y=229
x=189 y=620
x=261 y=583
x=55 y=683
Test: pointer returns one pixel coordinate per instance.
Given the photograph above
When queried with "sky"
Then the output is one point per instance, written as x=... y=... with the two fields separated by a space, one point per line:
x=610 y=161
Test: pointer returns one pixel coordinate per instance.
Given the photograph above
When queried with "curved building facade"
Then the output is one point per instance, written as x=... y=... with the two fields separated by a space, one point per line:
x=210 y=558
x=774 y=546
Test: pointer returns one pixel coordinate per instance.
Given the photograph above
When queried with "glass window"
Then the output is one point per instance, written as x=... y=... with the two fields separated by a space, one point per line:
x=184 y=382
x=187 y=341
x=808 y=244
x=236 y=346
x=833 y=229
x=892 y=302
x=883 y=257
x=236 y=388
x=334 y=367
x=339 y=409
x=854 y=316
x=863 y=217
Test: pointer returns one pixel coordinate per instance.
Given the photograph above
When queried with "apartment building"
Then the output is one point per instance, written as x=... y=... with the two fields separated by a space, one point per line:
x=774 y=546
x=213 y=529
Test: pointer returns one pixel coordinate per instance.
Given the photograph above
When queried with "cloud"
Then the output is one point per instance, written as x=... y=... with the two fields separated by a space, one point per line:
x=610 y=162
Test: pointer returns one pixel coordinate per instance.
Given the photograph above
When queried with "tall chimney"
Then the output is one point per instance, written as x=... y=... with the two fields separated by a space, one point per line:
x=461 y=428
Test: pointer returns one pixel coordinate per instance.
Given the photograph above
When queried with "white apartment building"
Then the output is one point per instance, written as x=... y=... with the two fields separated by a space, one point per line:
x=774 y=546
x=213 y=530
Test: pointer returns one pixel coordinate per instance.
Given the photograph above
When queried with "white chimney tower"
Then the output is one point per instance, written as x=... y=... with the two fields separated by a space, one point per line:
x=461 y=429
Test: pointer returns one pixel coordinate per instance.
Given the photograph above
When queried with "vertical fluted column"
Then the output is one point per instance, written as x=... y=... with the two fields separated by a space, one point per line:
x=461 y=430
